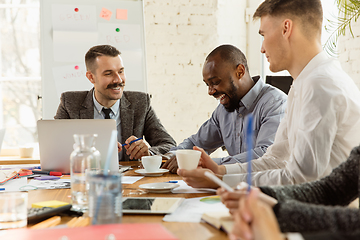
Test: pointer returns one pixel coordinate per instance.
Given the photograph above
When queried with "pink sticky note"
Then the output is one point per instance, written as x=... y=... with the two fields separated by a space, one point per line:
x=105 y=13
x=121 y=14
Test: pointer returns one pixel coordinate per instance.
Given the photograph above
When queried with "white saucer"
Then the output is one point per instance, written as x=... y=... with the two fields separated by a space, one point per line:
x=152 y=174
x=161 y=187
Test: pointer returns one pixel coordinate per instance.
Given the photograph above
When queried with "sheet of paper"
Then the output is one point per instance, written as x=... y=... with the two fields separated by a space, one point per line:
x=71 y=46
x=133 y=62
x=14 y=185
x=127 y=36
x=184 y=188
x=192 y=209
x=130 y=179
x=121 y=14
x=48 y=184
x=71 y=78
x=74 y=17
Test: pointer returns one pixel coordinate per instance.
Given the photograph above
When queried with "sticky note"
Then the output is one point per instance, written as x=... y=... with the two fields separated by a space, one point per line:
x=105 y=14
x=53 y=204
x=121 y=14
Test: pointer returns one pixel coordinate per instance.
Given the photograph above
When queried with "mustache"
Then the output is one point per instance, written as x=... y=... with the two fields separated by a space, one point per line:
x=115 y=85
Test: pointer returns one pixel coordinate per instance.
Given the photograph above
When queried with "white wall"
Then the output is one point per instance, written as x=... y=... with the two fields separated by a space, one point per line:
x=349 y=52
x=179 y=35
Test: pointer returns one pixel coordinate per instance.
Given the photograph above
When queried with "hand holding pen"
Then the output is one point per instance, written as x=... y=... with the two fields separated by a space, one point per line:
x=135 y=147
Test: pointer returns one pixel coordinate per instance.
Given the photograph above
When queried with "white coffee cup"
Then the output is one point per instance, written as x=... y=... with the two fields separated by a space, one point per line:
x=151 y=163
x=187 y=158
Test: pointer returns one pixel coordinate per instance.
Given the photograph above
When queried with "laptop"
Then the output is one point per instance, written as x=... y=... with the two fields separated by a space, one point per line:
x=56 y=141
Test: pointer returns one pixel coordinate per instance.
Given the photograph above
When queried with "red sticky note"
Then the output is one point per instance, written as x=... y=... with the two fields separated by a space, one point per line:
x=121 y=14
x=105 y=14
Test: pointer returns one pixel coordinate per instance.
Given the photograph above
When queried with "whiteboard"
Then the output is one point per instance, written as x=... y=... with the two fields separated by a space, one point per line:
x=70 y=27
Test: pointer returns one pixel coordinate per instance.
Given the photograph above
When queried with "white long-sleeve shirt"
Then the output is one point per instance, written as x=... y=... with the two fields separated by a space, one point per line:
x=320 y=127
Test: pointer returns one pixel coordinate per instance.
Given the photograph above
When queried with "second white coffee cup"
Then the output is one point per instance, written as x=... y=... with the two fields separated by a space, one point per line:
x=151 y=163
x=187 y=158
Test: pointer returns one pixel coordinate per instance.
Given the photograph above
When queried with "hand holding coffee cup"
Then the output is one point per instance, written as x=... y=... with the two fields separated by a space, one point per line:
x=151 y=163
x=187 y=158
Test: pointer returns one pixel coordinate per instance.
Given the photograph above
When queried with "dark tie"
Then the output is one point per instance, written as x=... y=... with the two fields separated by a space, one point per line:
x=107 y=112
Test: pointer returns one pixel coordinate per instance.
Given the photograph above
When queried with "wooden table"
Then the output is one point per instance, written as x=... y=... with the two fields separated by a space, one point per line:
x=180 y=230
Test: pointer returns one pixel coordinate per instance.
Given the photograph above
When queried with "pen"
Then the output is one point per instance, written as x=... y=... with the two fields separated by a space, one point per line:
x=131 y=142
x=249 y=138
x=218 y=181
x=172 y=182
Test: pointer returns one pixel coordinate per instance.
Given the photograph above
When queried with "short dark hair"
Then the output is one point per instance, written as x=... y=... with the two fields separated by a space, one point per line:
x=230 y=54
x=96 y=51
x=309 y=12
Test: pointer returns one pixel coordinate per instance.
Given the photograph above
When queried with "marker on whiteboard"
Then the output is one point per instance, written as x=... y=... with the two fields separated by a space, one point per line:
x=77 y=67
x=117 y=29
x=76 y=9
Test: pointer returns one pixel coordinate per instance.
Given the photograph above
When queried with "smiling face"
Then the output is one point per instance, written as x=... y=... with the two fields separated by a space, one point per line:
x=274 y=46
x=108 y=78
x=222 y=82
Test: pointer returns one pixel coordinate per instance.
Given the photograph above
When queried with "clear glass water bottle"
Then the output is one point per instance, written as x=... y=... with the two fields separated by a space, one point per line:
x=82 y=159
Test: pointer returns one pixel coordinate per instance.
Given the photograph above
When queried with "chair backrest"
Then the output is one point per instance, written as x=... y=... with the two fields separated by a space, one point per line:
x=281 y=82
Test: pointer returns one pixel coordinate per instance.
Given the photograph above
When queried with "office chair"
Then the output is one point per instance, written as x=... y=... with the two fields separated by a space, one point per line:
x=281 y=82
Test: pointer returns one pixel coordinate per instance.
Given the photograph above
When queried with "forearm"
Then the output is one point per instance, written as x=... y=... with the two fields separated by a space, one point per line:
x=294 y=216
x=242 y=157
x=339 y=188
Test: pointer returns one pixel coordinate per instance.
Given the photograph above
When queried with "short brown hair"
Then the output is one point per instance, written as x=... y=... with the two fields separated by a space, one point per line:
x=96 y=51
x=230 y=54
x=309 y=12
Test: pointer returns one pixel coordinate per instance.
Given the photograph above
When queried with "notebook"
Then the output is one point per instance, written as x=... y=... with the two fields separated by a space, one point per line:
x=56 y=141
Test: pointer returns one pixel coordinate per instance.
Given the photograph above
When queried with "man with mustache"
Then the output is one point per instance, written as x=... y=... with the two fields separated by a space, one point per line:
x=227 y=76
x=132 y=110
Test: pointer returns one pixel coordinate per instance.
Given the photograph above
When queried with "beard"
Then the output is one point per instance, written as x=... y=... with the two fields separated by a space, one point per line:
x=234 y=99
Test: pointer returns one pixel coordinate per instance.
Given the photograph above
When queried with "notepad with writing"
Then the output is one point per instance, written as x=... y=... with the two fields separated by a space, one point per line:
x=220 y=220
x=110 y=231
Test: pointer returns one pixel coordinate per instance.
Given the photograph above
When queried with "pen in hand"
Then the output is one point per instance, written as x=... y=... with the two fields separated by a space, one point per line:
x=131 y=142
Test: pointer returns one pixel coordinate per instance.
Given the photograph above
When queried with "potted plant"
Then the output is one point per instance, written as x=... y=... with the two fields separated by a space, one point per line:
x=349 y=12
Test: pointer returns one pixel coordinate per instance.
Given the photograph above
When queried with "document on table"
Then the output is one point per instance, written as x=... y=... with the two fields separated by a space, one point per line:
x=184 y=188
x=192 y=209
x=130 y=179
x=14 y=185
x=48 y=184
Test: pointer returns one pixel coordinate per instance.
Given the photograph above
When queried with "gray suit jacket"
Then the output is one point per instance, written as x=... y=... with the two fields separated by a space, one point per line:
x=138 y=118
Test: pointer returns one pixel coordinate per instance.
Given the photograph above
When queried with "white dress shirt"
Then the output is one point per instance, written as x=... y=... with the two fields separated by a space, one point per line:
x=320 y=127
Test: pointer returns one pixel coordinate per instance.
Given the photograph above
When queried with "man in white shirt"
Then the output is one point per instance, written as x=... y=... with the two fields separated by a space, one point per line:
x=322 y=119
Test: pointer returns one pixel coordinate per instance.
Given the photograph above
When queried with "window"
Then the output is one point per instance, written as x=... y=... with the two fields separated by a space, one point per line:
x=20 y=76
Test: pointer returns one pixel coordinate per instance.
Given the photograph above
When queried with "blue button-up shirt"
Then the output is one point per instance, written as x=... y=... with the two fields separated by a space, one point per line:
x=265 y=102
